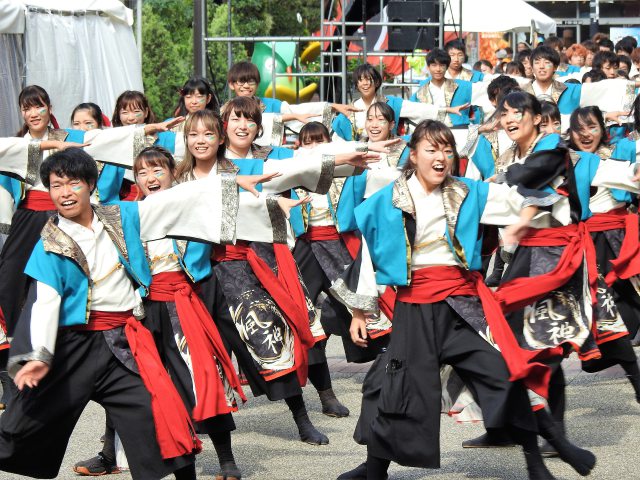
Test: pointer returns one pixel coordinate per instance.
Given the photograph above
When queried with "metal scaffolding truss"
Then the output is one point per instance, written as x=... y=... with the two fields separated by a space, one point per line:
x=338 y=42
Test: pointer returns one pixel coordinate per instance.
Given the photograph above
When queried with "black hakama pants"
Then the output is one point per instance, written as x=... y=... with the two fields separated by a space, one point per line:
x=214 y=299
x=158 y=320
x=400 y=416
x=36 y=427
x=335 y=317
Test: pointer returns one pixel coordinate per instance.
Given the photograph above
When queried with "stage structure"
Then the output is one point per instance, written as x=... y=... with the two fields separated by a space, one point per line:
x=393 y=17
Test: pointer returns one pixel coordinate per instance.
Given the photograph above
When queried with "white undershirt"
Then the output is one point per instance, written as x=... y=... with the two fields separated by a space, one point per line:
x=113 y=291
x=430 y=247
x=437 y=95
x=162 y=257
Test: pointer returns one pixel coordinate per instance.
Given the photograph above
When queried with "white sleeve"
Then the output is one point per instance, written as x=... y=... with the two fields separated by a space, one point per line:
x=203 y=209
x=272 y=130
x=364 y=294
x=259 y=218
x=6 y=208
x=119 y=145
x=334 y=148
x=15 y=153
x=503 y=206
x=313 y=173
x=42 y=330
x=416 y=112
x=612 y=95
x=616 y=174
x=378 y=178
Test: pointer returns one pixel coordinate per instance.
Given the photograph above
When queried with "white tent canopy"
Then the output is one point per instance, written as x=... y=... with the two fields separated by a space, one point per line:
x=499 y=16
x=89 y=55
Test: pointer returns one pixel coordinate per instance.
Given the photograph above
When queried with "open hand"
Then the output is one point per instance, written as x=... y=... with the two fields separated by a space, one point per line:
x=286 y=204
x=31 y=374
x=249 y=182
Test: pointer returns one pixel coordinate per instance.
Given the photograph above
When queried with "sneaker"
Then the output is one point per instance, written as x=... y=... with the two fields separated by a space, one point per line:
x=95 y=466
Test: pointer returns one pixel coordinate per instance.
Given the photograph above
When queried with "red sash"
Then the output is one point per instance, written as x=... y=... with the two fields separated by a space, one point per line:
x=520 y=292
x=628 y=262
x=3 y=325
x=129 y=191
x=204 y=343
x=387 y=300
x=434 y=284
x=37 y=201
x=174 y=431
x=286 y=291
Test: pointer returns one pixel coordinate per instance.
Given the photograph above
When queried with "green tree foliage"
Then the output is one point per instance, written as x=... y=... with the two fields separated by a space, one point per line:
x=167 y=39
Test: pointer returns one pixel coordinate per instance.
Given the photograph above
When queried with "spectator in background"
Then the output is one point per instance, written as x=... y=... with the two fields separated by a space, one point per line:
x=626 y=45
x=608 y=62
x=483 y=66
x=605 y=45
x=635 y=58
x=624 y=63
x=577 y=55
x=524 y=57
x=592 y=49
x=522 y=46
x=515 y=68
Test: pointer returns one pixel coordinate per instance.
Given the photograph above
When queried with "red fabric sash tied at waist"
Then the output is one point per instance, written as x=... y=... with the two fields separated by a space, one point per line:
x=286 y=291
x=387 y=300
x=174 y=431
x=628 y=262
x=434 y=284
x=38 y=201
x=520 y=292
x=205 y=344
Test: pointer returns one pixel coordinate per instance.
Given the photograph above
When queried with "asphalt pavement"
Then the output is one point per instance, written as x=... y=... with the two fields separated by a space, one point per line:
x=602 y=415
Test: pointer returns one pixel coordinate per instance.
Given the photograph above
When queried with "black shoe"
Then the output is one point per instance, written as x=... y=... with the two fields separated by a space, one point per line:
x=331 y=406
x=95 y=467
x=536 y=469
x=547 y=450
x=358 y=473
x=489 y=440
x=229 y=471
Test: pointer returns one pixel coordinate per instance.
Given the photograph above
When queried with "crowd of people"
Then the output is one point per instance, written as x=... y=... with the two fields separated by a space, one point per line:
x=487 y=224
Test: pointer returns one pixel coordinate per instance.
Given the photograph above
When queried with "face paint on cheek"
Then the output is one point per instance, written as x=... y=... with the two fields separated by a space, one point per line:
x=518 y=117
x=202 y=101
x=252 y=125
x=138 y=115
x=77 y=188
x=42 y=111
x=210 y=138
x=595 y=130
x=158 y=174
x=449 y=156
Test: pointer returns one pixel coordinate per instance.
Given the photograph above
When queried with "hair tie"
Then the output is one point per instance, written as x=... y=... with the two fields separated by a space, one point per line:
x=105 y=121
x=53 y=120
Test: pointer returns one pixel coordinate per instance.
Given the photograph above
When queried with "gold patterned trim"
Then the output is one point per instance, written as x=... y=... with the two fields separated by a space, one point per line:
x=277 y=133
x=259 y=152
x=34 y=160
x=327 y=115
x=58 y=134
x=352 y=299
x=55 y=240
x=465 y=74
x=110 y=217
x=139 y=142
x=278 y=220
x=401 y=197
x=557 y=89
x=395 y=152
x=453 y=194
x=629 y=97
x=635 y=136
x=230 y=205
x=604 y=152
x=17 y=361
x=326 y=174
